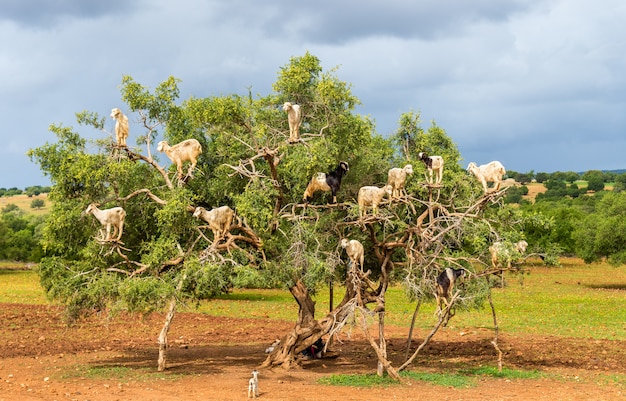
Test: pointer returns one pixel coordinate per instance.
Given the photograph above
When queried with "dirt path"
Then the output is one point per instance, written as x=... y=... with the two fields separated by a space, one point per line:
x=211 y=359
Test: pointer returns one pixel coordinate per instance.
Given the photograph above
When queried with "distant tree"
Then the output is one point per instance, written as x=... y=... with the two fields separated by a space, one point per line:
x=13 y=191
x=602 y=233
x=33 y=190
x=591 y=174
x=524 y=178
x=595 y=183
x=37 y=204
x=554 y=184
x=571 y=176
x=541 y=177
x=515 y=194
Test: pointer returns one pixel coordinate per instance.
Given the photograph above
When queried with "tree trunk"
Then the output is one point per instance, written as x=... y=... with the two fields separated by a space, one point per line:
x=381 y=342
x=305 y=333
x=163 y=336
x=171 y=311
x=496 y=330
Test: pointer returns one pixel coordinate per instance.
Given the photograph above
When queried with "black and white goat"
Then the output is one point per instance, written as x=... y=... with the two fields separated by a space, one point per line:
x=326 y=182
x=445 y=284
x=434 y=164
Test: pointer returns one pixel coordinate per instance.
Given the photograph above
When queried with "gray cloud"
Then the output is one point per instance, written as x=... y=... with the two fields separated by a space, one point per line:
x=537 y=84
x=48 y=13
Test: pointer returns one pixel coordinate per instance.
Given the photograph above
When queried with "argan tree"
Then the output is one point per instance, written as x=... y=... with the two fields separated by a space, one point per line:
x=166 y=255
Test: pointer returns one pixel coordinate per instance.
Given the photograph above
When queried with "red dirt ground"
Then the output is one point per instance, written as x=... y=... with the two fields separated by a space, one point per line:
x=211 y=359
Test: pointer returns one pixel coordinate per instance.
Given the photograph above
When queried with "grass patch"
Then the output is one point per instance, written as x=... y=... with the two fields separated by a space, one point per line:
x=122 y=374
x=464 y=378
x=506 y=373
x=354 y=380
x=20 y=286
x=456 y=380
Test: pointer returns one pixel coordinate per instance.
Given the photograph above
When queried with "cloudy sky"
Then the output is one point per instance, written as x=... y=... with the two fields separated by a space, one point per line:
x=537 y=84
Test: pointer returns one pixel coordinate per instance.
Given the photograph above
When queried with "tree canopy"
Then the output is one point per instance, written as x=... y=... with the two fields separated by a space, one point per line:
x=165 y=254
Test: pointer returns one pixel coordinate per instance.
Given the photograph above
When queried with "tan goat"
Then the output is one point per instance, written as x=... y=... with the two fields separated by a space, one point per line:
x=109 y=218
x=490 y=172
x=294 y=117
x=396 y=177
x=371 y=197
x=187 y=150
x=354 y=250
x=121 y=126
x=219 y=219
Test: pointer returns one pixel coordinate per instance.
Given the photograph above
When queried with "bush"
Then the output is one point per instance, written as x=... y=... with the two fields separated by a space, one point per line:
x=37 y=204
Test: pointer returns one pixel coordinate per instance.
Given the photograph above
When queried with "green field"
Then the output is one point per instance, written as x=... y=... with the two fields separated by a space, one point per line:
x=574 y=300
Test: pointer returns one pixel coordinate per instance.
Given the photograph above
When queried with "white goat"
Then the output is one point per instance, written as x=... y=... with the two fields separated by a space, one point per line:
x=187 y=150
x=490 y=172
x=219 y=219
x=434 y=164
x=503 y=252
x=121 y=126
x=253 y=385
x=113 y=217
x=396 y=177
x=294 y=117
x=354 y=250
x=370 y=196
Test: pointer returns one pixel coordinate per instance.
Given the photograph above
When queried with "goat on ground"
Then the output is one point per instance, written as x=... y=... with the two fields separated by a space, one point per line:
x=219 y=220
x=253 y=385
x=502 y=252
x=490 y=172
x=326 y=182
x=396 y=177
x=109 y=218
x=294 y=117
x=187 y=150
x=354 y=250
x=371 y=197
x=121 y=126
x=434 y=164
x=445 y=284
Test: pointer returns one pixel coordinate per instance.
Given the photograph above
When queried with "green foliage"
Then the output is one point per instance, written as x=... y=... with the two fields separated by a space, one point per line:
x=514 y=194
x=37 y=204
x=19 y=235
x=602 y=233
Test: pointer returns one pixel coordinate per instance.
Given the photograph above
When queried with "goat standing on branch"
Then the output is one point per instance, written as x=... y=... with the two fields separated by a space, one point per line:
x=396 y=177
x=445 y=285
x=113 y=217
x=434 y=164
x=187 y=150
x=218 y=219
x=294 y=117
x=490 y=172
x=326 y=182
x=121 y=126
x=370 y=196
x=354 y=250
